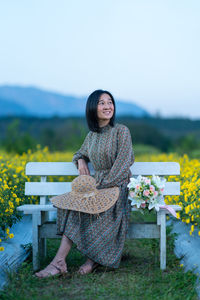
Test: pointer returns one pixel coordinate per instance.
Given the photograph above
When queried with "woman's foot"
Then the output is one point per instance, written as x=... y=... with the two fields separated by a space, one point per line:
x=88 y=267
x=54 y=268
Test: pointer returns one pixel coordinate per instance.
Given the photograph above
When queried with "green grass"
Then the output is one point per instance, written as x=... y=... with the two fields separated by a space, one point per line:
x=138 y=277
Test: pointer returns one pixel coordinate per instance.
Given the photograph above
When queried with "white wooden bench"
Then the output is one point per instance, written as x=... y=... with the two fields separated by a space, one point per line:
x=42 y=228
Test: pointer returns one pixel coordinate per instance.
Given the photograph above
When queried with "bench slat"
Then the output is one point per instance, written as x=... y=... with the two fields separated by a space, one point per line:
x=68 y=168
x=155 y=168
x=51 y=168
x=136 y=231
x=58 y=188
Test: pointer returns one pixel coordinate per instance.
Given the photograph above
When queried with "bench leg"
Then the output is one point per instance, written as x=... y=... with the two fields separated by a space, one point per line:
x=42 y=241
x=42 y=248
x=162 y=240
x=36 y=219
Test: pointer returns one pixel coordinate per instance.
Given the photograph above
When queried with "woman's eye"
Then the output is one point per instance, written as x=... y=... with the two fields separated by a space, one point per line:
x=102 y=103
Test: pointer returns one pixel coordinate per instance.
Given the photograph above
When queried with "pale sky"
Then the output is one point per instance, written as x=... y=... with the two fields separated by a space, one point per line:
x=145 y=51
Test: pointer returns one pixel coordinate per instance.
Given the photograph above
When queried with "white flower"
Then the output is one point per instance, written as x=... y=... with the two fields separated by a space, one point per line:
x=133 y=182
x=159 y=181
x=154 y=205
x=137 y=202
x=152 y=196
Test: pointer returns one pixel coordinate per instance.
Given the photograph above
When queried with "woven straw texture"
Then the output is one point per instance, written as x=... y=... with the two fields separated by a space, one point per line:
x=101 y=238
x=85 y=197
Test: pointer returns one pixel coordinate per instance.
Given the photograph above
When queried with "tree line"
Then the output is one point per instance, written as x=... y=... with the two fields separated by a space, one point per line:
x=67 y=134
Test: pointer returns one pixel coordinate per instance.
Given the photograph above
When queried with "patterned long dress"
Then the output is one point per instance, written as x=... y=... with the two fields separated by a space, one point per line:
x=101 y=238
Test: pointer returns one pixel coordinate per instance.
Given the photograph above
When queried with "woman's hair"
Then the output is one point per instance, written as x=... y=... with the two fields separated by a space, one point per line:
x=91 y=110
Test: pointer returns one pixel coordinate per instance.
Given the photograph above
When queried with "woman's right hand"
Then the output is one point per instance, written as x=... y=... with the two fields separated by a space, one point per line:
x=83 y=167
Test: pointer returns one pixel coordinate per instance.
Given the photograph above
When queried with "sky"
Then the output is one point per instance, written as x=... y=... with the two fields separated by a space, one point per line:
x=144 y=51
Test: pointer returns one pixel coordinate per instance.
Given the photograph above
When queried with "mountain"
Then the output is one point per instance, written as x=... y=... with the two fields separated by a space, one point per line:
x=31 y=101
x=8 y=107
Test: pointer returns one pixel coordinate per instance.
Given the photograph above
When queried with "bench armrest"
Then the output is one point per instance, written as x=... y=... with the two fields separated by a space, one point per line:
x=33 y=208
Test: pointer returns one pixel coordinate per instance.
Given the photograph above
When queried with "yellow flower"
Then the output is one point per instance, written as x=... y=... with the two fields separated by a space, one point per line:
x=11 y=235
x=17 y=200
x=1 y=248
x=181 y=265
x=10 y=204
x=7 y=230
x=19 y=169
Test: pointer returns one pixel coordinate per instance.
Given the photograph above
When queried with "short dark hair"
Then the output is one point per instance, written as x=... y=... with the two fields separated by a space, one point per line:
x=91 y=110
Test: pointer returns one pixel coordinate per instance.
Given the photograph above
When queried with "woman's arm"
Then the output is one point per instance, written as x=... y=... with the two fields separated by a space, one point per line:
x=125 y=158
x=80 y=158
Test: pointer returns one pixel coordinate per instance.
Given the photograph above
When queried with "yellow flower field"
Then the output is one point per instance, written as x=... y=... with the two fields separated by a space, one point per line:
x=12 y=179
x=189 y=179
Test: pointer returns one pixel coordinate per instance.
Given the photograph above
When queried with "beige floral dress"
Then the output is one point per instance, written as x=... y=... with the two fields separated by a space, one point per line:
x=101 y=238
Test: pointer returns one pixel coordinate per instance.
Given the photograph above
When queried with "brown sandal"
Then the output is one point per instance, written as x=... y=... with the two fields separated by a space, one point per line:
x=50 y=273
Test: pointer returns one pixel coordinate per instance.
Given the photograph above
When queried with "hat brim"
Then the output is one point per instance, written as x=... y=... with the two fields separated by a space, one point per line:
x=100 y=202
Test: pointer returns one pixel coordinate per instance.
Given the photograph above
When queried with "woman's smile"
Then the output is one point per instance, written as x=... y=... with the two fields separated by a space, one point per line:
x=107 y=112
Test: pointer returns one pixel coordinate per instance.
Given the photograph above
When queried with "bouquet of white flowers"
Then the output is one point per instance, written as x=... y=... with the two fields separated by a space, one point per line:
x=147 y=192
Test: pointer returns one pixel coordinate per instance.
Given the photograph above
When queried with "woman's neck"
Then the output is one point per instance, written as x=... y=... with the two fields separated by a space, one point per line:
x=103 y=123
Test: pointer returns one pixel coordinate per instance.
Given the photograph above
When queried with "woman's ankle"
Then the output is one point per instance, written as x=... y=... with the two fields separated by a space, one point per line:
x=90 y=261
x=59 y=260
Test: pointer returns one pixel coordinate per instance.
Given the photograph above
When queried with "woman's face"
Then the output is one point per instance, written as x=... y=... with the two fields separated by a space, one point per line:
x=105 y=108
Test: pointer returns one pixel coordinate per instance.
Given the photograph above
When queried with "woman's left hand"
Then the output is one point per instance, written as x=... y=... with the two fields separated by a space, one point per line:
x=83 y=167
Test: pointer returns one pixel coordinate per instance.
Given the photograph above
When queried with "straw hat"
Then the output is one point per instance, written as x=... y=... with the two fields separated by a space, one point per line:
x=85 y=197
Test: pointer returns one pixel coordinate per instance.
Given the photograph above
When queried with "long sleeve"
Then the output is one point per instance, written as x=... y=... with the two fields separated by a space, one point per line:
x=125 y=158
x=82 y=152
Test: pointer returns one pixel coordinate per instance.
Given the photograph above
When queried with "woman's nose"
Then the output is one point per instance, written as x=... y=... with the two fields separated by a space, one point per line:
x=107 y=105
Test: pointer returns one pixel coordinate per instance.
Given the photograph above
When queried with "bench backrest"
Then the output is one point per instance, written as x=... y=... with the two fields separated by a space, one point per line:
x=45 y=188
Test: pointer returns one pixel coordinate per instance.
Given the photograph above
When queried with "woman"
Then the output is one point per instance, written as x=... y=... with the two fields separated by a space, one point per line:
x=108 y=147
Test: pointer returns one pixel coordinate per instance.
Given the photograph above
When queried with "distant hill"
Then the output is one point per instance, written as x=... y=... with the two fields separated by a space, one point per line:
x=8 y=107
x=31 y=101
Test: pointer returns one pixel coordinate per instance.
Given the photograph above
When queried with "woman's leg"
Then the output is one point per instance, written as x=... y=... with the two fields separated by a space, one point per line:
x=58 y=264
